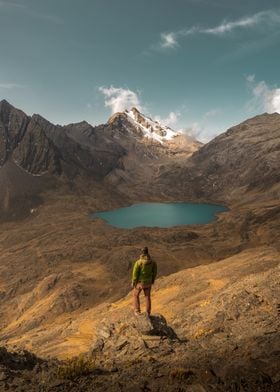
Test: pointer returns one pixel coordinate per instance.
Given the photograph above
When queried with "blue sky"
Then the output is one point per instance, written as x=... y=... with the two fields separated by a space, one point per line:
x=197 y=65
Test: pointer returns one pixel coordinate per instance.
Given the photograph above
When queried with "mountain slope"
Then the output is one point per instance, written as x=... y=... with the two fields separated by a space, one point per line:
x=13 y=124
x=82 y=154
x=252 y=149
x=145 y=126
x=221 y=333
x=243 y=159
x=36 y=153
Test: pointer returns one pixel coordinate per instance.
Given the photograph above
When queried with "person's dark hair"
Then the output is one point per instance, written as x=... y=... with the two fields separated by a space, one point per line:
x=145 y=250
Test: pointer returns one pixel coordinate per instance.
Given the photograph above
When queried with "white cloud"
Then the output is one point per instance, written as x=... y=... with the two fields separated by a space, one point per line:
x=264 y=98
x=225 y=27
x=11 y=4
x=269 y=18
x=30 y=11
x=194 y=130
x=204 y=129
x=168 y=40
x=119 y=99
x=200 y=131
x=170 y=120
x=250 y=78
x=10 y=86
x=211 y=113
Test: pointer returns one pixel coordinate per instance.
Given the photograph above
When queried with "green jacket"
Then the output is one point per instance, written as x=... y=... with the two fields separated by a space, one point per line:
x=144 y=270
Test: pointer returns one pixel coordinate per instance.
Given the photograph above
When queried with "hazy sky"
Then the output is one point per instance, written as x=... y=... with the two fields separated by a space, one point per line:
x=201 y=65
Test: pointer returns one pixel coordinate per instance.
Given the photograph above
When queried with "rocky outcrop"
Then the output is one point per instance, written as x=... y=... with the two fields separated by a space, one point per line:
x=36 y=153
x=226 y=340
x=13 y=124
x=133 y=337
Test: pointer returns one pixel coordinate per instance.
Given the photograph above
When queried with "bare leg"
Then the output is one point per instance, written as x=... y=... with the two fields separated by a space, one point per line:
x=147 y=293
x=136 y=293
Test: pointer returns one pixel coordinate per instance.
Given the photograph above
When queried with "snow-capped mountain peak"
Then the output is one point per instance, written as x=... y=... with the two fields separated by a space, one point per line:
x=150 y=128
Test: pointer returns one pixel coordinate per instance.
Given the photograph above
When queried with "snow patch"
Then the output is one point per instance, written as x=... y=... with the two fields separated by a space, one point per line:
x=151 y=129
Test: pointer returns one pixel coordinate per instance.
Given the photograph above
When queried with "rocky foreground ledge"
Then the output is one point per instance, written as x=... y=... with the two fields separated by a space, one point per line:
x=138 y=353
x=222 y=334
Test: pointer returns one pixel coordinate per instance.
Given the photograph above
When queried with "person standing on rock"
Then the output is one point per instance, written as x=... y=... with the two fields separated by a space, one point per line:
x=143 y=277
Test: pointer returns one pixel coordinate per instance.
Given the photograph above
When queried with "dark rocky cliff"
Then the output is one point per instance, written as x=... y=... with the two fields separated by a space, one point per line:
x=13 y=124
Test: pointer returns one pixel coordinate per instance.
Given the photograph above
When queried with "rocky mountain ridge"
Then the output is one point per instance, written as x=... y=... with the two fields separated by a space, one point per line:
x=145 y=126
x=136 y=156
x=18 y=130
x=65 y=154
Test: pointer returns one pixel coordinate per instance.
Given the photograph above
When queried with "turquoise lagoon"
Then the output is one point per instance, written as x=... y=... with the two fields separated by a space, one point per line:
x=160 y=215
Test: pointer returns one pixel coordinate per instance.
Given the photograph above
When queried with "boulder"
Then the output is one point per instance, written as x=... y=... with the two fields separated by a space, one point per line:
x=143 y=324
x=136 y=335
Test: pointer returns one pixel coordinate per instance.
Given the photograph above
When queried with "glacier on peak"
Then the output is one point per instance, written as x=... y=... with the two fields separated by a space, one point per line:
x=147 y=127
x=150 y=128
